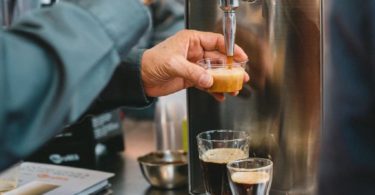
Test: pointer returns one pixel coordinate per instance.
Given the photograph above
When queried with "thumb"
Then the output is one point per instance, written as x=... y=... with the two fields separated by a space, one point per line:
x=194 y=73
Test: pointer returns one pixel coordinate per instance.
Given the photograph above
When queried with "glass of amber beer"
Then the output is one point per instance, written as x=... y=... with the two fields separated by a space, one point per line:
x=252 y=176
x=228 y=77
x=217 y=148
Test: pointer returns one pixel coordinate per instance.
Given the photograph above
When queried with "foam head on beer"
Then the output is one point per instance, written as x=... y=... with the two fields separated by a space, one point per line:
x=250 y=177
x=223 y=155
x=250 y=183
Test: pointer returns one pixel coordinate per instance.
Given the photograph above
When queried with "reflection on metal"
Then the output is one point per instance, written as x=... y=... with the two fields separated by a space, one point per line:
x=280 y=106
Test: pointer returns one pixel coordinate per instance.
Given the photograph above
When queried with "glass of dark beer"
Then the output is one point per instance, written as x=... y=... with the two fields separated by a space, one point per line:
x=217 y=148
x=252 y=176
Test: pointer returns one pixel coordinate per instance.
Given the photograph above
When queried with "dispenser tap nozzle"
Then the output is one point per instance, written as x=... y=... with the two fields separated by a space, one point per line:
x=229 y=5
x=229 y=23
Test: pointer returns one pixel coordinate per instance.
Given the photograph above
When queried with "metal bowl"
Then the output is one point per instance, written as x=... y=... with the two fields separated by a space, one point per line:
x=165 y=169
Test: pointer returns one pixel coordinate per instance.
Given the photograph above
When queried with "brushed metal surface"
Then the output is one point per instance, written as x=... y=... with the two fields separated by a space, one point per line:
x=281 y=105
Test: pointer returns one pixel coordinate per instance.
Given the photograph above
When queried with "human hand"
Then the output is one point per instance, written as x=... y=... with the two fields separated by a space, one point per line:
x=167 y=67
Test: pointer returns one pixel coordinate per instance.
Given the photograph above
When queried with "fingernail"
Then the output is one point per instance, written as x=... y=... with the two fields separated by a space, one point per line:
x=205 y=80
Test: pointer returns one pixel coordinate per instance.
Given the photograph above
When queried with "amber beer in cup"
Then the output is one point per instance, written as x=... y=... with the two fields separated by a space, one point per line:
x=252 y=176
x=228 y=77
x=217 y=148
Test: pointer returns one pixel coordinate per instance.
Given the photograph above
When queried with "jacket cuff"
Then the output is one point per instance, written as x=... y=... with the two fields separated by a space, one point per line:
x=133 y=58
x=125 y=88
x=131 y=65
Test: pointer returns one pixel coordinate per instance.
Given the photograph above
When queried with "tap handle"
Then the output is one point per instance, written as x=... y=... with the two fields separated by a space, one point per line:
x=229 y=28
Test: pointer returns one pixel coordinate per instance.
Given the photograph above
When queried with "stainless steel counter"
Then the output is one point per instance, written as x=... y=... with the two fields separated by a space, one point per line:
x=139 y=140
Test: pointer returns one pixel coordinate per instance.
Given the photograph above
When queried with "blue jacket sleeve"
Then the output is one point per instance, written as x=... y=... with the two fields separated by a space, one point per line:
x=122 y=90
x=167 y=19
x=54 y=62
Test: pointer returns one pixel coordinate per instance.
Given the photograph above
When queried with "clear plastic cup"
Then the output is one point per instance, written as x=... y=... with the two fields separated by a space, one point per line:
x=227 y=77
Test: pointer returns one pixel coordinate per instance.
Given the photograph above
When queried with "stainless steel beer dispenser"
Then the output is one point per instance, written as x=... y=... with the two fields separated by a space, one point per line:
x=280 y=106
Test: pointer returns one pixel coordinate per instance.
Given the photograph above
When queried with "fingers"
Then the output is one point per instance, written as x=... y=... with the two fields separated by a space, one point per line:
x=193 y=73
x=219 y=55
x=214 y=54
x=246 y=77
x=214 y=41
x=218 y=96
x=239 y=54
x=211 y=41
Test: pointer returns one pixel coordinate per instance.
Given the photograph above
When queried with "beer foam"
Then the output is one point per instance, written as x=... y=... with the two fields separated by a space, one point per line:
x=250 y=177
x=223 y=155
x=226 y=72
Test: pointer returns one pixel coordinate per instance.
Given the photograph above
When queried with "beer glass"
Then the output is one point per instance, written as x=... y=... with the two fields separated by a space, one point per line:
x=252 y=176
x=217 y=148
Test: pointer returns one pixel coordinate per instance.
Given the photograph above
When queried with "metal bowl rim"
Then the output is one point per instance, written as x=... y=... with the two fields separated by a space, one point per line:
x=142 y=160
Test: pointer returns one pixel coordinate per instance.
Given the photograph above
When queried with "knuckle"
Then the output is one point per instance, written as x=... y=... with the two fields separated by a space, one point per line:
x=184 y=32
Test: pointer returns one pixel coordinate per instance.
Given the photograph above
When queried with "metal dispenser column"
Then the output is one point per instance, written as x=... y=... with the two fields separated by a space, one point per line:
x=281 y=105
